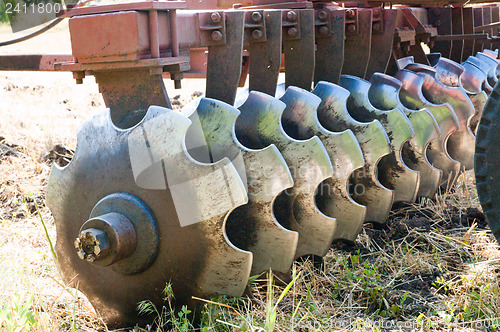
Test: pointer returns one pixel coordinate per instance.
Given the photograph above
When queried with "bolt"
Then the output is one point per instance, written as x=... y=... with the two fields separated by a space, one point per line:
x=256 y=17
x=292 y=16
x=324 y=31
x=376 y=27
x=351 y=28
x=437 y=11
x=216 y=35
x=215 y=17
x=351 y=13
x=92 y=244
x=257 y=34
x=437 y=23
x=292 y=32
x=322 y=15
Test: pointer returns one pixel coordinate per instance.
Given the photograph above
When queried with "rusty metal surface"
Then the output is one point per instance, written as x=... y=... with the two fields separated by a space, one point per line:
x=382 y=40
x=298 y=47
x=32 y=62
x=265 y=57
x=355 y=60
x=138 y=6
x=127 y=93
x=330 y=46
x=224 y=61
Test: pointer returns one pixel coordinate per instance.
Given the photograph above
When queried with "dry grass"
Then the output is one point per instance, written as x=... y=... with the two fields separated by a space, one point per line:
x=434 y=267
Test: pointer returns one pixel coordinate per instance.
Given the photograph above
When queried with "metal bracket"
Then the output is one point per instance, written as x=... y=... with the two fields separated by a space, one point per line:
x=265 y=58
x=457 y=28
x=378 y=20
x=322 y=22
x=382 y=40
x=440 y=18
x=478 y=21
x=213 y=28
x=255 y=27
x=224 y=61
x=290 y=21
x=299 y=49
x=358 y=45
x=486 y=21
x=468 y=25
x=330 y=45
x=351 y=21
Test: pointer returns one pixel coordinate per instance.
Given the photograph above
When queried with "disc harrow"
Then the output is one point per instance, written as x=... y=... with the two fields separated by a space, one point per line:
x=241 y=182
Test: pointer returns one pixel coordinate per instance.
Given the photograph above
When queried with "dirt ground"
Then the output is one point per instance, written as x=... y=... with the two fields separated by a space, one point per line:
x=433 y=267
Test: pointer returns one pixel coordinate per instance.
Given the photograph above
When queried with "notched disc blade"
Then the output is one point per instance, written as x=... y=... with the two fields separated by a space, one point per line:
x=411 y=96
x=393 y=173
x=252 y=226
x=300 y=121
x=384 y=94
x=463 y=77
x=196 y=259
x=259 y=126
x=374 y=143
x=461 y=143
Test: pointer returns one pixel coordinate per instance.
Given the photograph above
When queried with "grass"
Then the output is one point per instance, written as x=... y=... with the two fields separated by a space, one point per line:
x=435 y=267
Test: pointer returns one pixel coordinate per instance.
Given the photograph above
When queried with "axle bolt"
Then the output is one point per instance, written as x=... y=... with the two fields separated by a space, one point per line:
x=322 y=15
x=292 y=32
x=216 y=35
x=91 y=244
x=350 y=14
x=215 y=17
x=292 y=16
x=257 y=34
x=324 y=31
x=256 y=17
x=351 y=28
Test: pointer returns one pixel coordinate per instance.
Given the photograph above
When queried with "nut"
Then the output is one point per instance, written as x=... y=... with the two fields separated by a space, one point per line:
x=351 y=14
x=292 y=16
x=324 y=31
x=215 y=17
x=322 y=15
x=92 y=244
x=216 y=35
x=292 y=32
x=256 y=17
x=351 y=27
x=257 y=34
x=376 y=27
